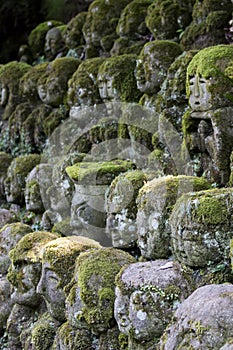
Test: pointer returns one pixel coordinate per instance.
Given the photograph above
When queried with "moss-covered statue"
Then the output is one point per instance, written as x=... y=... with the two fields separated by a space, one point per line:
x=16 y=175
x=54 y=44
x=167 y=19
x=58 y=262
x=201 y=225
x=35 y=188
x=73 y=36
x=10 y=234
x=152 y=64
x=131 y=28
x=24 y=274
x=21 y=128
x=100 y=25
x=147 y=294
x=90 y=303
x=202 y=321
x=122 y=210
x=5 y=160
x=92 y=179
x=155 y=202
x=83 y=86
x=209 y=22
x=207 y=125
x=117 y=82
x=36 y=39
x=10 y=96
x=52 y=85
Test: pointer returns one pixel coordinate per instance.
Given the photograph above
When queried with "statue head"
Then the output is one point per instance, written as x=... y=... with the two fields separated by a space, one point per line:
x=152 y=64
x=52 y=85
x=146 y=296
x=209 y=82
x=58 y=262
x=53 y=43
x=25 y=270
x=91 y=300
x=116 y=80
x=82 y=87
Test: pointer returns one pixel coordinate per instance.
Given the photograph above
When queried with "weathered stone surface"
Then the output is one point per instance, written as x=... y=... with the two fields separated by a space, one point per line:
x=155 y=202
x=147 y=294
x=201 y=226
x=202 y=321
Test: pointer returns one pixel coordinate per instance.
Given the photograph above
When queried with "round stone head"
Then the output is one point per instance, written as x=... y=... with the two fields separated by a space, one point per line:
x=209 y=78
x=116 y=80
x=82 y=87
x=25 y=270
x=16 y=175
x=53 y=43
x=153 y=63
x=10 y=234
x=146 y=296
x=91 y=300
x=58 y=262
x=73 y=35
x=52 y=85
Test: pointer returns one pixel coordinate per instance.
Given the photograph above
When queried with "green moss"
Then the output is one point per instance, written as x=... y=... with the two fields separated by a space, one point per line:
x=30 y=246
x=36 y=38
x=97 y=173
x=80 y=339
x=121 y=70
x=43 y=332
x=96 y=271
x=28 y=82
x=211 y=211
x=62 y=253
x=123 y=341
x=212 y=62
x=11 y=72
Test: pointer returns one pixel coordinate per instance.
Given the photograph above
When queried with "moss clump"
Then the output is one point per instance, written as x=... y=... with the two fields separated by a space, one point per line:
x=73 y=35
x=22 y=165
x=36 y=38
x=80 y=339
x=11 y=72
x=98 y=173
x=62 y=253
x=166 y=19
x=43 y=332
x=120 y=69
x=212 y=62
x=211 y=210
x=29 y=248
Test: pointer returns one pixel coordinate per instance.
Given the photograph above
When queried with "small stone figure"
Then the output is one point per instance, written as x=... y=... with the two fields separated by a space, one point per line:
x=54 y=44
x=207 y=125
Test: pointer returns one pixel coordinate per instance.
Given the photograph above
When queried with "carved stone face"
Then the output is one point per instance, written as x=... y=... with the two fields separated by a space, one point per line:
x=200 y=98
x=53 y=43
x=149 y=73
x=74 y=308
x=54 y=295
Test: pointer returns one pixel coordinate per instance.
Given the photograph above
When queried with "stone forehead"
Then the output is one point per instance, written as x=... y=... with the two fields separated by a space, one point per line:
x=159 y=273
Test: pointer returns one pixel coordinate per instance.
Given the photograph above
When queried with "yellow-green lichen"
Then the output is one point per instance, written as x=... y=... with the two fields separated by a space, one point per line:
x=94 y=173
x=62 y=253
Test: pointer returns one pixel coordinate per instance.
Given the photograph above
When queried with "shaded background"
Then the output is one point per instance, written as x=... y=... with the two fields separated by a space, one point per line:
x=19 y=17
